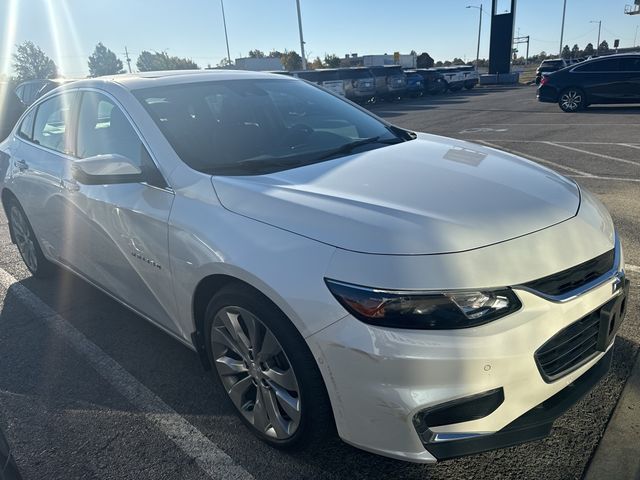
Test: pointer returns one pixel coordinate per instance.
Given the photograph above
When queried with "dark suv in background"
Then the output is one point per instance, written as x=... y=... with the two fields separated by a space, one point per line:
x=611 y=79
x=391 y=82
x=549 y=66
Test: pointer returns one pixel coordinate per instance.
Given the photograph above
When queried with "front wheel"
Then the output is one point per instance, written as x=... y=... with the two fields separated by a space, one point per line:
x=24 y=238
x=266 y=369
x=572 y=100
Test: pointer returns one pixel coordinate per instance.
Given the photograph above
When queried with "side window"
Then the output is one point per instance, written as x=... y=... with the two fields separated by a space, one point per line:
x=51 y=124
x=611 y=65
x=630 y=64
x=104 y=129
x=20 y=93
x=26 y=127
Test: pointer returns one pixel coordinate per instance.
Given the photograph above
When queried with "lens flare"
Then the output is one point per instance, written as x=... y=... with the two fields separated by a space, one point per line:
x=9 y=37
x=55 y=33
x=72 y=30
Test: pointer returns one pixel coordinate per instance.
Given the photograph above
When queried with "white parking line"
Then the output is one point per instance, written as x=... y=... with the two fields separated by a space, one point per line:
x=213 y=461
x=577 y=173
x=632 y=268
x=601 y=155
x=535 y=159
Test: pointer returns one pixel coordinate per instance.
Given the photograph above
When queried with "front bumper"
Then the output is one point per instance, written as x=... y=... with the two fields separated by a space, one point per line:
x=379 y=379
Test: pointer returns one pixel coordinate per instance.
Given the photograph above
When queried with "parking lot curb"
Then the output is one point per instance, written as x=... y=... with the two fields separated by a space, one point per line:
x=617 y=453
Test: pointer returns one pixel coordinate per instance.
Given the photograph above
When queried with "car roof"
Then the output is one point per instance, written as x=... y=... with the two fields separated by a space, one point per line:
x=135 y=81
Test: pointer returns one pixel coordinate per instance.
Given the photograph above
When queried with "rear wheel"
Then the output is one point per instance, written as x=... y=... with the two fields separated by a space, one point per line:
x=572 y=100
x=266 y=369
x=26 y=241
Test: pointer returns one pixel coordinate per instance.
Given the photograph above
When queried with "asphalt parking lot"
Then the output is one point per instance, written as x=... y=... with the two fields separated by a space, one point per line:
x=90 y=390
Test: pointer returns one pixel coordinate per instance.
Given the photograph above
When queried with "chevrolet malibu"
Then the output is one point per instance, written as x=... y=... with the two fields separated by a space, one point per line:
x=424 y=297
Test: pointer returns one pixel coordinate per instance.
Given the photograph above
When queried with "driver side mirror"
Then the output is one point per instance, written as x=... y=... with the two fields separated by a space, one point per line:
x=107 y=169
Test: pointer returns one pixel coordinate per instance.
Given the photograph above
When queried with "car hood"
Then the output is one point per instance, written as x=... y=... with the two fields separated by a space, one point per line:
x=426 y=196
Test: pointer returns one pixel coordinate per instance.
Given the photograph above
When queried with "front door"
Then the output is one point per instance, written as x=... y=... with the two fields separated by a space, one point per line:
x=120 y=230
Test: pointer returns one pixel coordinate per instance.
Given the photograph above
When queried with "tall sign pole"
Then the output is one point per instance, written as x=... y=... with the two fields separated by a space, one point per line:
x=226 y=37
x=304 y=59
x=564 y=11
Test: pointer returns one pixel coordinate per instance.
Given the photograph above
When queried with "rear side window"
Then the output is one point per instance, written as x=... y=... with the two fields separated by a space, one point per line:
x=631 y=64
x=104 y=129
x=26 y=127
x=610 y=65
x=53 y=118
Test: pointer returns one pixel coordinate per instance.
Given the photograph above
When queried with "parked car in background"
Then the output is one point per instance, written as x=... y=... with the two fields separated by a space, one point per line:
x=415 y=83
x=8 y=467
x=470 y=76
x=328 y=78
x=601 y=80
x=549 y=66
x=31 y=90
x=453 y=78
x=424 y=297
x=358 y=83
x=11 y=108
x=27 y=91
x=391 y=82
x=434 y=82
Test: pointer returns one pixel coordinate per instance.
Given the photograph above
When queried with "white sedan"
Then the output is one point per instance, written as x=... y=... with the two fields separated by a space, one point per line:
x=424 y=297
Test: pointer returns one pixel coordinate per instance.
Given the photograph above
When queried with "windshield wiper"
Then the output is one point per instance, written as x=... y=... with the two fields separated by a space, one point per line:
x=351 y=146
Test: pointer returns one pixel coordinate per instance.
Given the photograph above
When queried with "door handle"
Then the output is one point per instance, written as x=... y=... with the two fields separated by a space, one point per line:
x=22 y=165
x=70 y=185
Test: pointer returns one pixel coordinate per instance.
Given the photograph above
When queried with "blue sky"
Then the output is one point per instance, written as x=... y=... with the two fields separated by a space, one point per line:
x=193 y=28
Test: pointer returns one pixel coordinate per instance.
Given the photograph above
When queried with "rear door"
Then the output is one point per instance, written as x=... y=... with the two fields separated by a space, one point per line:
x=44 y=153
x=119 y=231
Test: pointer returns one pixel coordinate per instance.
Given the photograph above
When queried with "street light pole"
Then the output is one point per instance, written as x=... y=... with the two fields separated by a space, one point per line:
x=635 y=37
x=304 y=59
x=564 y=11
x=226 y=37
x=479 y=33
x=599 y=22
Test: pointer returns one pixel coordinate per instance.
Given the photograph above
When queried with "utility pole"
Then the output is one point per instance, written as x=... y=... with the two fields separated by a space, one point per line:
x=635 y=37
x=564 y=11
x=479 y=34
x=304 y=59
x=599 y=22
x=126 y=56
x=226 y=37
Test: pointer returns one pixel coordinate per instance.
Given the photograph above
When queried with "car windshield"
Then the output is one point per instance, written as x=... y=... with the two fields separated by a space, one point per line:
x=248 y=127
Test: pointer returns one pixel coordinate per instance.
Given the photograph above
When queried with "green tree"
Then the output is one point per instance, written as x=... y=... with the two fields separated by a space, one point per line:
x=566 y=52
x=589 y=50
x=275 y=54
x=104 y=62
x=224 y=63
x=457 y=61
x=604 y=47
x=30 y=62
x=424 y=60
x=150 y=62
x=317 y=63
x=332 y=61
x=575 y=51
x=256 y=53
x=291 y=61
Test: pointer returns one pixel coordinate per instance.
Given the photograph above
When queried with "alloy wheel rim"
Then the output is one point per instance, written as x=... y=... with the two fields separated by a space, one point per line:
x=256 y=372
x=571 y=100
x=24 y=241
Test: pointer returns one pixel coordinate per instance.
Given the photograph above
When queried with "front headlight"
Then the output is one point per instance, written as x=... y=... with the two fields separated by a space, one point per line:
x=424 y=310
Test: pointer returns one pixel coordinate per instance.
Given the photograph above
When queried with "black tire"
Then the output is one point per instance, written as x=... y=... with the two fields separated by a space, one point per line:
x=440 y=88
x=317 y=424
x=538 y=79
x=36 y=262
x=572 y=100
x=470 y=86
x=455 y=88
